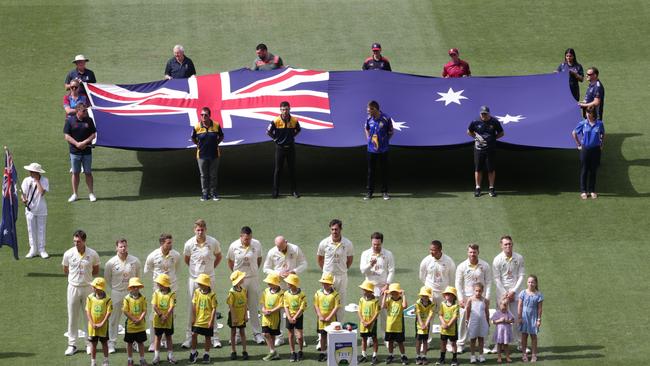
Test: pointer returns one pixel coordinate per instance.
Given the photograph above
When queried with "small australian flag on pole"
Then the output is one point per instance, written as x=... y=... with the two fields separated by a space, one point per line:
x=9 y=205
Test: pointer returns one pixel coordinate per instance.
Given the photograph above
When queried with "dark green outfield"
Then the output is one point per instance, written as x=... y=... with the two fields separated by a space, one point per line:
x=590 y=256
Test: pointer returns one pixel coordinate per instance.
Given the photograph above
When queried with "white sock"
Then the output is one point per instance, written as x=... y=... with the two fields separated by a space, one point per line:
x=374 y=354
x=156 y=354
x=363 y=353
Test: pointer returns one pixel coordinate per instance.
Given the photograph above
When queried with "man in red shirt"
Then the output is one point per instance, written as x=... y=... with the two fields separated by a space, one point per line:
x=455 y=68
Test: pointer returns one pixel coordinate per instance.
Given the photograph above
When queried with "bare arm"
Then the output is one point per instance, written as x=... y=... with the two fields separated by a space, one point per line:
x=66 y=270
x=321 y=261
x=349 y=261
x=187 y=260
x=95 y=269
x=231 y=264
x=217 y=259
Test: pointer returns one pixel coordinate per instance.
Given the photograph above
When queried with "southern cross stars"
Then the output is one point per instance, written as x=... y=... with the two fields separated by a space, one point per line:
x=451 y=97
x=399 y=125
x=508 y=118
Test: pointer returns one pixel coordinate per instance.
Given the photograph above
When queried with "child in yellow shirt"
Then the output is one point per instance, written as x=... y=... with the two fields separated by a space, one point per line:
x=98 y=309
x=134 y=306
x=295 y=304
x=163 y=302
x=237 y=313
x=394 y=301
x=326 y=302
x=425 y=308
x=271 y=301
x=369 y=308
x=204 y=309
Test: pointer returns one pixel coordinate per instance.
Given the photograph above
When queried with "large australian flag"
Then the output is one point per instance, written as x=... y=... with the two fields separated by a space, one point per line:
x=535 y=110
x=9 y=205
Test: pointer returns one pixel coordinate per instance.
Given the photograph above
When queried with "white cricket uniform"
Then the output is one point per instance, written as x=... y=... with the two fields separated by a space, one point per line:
x=117 y=273
x=509 y=274
x=381 y=274
x=336 y=256
x=35 y=213
x=466 y=276
x=202 y=257
x=437 y=274
x=245 y=260
x=158 y=263
x=80 y=275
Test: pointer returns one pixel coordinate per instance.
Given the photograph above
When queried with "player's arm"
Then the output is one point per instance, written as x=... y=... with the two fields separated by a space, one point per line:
x=321 y=261
x=217 y=259
x=95 y=269
x=404 y=304
x=66 y=270
x=468 y=311
x=487 y=311
x=349 y=261
x=231 y=264
x=301 y=262
x=520 y=308
x=187 y=260
x=383 y=300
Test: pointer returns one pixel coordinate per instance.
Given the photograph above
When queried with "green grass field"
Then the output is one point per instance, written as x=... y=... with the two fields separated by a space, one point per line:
x=589 y=255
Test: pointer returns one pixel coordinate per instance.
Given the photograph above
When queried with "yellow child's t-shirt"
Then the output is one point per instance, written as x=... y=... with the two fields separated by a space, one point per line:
x=295 y=302
x=98 y=309
x=238 y=299
x=394 y=315
x=424 y=311
x=270 y=300
x=326 y=302
x=368 y=309
x=203 y=304
x=164 y=302
x=135 y=307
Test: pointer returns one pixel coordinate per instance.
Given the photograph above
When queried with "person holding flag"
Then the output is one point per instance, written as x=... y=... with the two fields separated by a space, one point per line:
x=9 y=205
x=33 y=189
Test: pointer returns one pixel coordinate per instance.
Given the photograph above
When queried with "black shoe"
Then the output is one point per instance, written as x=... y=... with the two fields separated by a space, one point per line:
x=295 y=194
x=477 y=192
x=374 y=360
x=493 y=192
x=301 y=356
x=204 y=197
x=233 y=356
x=405 y=360
x=368 y=196
x=417 y=360
x=294 y=357
x=389 y=359
x=206 y=358
x=275 y=195
x=322 y=357
x=441 y=361
x=386 y=196
x=193 y=357
x=244 y=355
x=362 y=359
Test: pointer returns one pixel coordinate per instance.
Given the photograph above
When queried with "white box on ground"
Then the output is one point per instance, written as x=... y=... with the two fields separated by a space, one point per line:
x=342 y=348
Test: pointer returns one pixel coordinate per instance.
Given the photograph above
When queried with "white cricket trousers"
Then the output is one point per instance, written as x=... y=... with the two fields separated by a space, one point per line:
x=117 y=297
x=36 y=231
x=252 y=286
x=76 y=309
x=341 y=285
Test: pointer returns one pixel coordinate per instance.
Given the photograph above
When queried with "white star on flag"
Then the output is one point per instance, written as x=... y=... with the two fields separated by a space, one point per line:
x=508 y=118
x=399 y=125
x=451 y=97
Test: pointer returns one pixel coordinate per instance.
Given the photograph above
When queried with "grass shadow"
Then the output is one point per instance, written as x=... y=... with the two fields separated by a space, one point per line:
x=5 y=355
x=245 y=172
x=43 y=274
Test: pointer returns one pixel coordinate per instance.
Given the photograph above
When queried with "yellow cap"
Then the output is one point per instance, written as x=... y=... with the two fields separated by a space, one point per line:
x=368 y=286
x=395 y=287
x=203 y=279
x=327 y=278
x=272 y=279
x=135 y=282
x=426 y=291
x=99 y=283
x=293 y=279
x=163 y=280
x=236 y=277
x=450 y=290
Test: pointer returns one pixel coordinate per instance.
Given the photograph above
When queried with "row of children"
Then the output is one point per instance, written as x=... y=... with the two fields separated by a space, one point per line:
x=292 y=302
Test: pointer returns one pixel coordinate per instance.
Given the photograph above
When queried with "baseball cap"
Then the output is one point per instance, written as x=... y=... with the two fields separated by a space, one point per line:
x=485 y=109
x=376 y=47
x=453 y=51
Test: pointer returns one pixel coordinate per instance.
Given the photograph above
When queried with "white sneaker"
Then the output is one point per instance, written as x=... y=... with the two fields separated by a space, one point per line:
x=71 y=350
x=495 y=349
x=279 y=341
x=44 y=254
x=472 y=359
x=111 y=348
x=519 y=349
x=259 y=339
x=216 y=343
x=72 y=198
x=187 y=344
x=88 y=351
x=31 y=254
x=151 y=347
x=459 y=348
x=481 y=358
x=91 y=197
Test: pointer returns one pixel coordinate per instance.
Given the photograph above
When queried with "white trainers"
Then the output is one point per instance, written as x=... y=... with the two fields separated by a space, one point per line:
x=216 y=343
x=72 y=198
x=151 y=347
x=279 y=341
x=44 y=254
x=71 y=350
x=187 y=344
x=31 y=254
x=111 y=348
x=88 y=351
x=91 y=197
x=481 y=358
x=259 y=339
x=472 y=359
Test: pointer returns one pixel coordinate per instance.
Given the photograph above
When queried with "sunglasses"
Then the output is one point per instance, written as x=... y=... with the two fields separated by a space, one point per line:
x=74 y=87
x=204 y=114
x=590 y=74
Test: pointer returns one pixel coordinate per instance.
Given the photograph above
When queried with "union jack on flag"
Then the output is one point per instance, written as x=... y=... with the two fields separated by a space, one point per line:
x=239 y=101
x=9 y=205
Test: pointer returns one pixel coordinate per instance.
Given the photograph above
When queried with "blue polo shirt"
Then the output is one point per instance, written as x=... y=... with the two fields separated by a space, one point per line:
x=180 y=70
x=596 y=90
x=590 y=136
x=379 y=130
x=88 y=76
x=488 y=130
x=79 y=129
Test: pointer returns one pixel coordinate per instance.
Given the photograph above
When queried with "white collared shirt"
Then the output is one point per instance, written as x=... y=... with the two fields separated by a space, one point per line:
x=202 y=256
x=384 y=269
x=291 y=261
x=438 y=273
x=80 y=267
x=245 y=258
x=158 y=263
x=335 y=255
x=117 y=272
x=508 y=272
x=467 y=275
x=35 y=201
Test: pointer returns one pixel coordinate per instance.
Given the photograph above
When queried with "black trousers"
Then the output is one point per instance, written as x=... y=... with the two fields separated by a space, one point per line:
x=372 y=171
x=589 y=162
x=282 y=153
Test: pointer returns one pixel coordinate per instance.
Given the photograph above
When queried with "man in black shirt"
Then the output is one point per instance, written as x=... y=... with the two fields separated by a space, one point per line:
x=376 y=61
x=179 y=66
x=283 y=130
x=485 y=132
x=79 y=131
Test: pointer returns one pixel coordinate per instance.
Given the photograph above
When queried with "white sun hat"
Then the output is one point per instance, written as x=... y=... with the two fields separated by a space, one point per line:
x=34 y=167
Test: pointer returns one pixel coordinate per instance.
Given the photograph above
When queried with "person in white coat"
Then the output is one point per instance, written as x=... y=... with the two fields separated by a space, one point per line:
x=33 y=193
